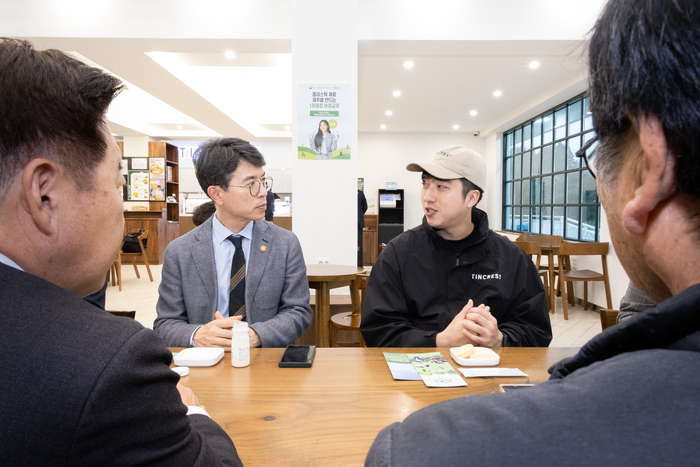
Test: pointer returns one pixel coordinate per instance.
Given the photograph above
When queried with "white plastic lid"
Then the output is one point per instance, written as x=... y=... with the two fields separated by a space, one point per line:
x=240 y=326
x=181 y=370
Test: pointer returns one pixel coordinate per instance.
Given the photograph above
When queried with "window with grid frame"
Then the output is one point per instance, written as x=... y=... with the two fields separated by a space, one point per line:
x=547 y=189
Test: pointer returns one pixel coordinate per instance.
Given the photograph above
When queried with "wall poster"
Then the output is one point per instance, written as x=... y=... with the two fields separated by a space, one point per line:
x=323 y=121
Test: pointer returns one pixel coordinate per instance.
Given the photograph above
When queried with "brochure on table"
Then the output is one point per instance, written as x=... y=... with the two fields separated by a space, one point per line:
x=432 y=368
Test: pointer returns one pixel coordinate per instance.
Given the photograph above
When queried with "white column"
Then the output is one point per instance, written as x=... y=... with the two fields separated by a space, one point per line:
x=324 y=51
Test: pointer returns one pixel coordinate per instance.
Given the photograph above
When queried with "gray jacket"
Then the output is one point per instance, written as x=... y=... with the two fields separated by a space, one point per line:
x=277 y=289
x=628 y=398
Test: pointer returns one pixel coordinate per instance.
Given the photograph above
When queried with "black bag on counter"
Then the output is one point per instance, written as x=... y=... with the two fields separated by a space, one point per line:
x=131 y=242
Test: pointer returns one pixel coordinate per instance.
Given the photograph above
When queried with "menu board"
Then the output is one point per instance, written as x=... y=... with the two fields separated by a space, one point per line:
x=138 y=185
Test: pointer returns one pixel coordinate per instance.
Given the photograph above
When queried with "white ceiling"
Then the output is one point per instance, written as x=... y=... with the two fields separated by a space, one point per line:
x=250 y=96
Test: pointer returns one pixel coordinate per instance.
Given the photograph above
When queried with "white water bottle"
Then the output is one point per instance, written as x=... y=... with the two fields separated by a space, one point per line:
x=240 y=345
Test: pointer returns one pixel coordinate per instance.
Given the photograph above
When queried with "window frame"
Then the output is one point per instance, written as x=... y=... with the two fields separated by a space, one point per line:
x=519 y=142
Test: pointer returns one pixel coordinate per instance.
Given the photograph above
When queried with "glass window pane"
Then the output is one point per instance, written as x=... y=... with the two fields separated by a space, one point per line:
x=535 y=191
x=509 y=218
x=575 y=118
x=588 y=136
x=588 y=222
x=516 y=219
x=526 y=191
x=559 y=189
x=509 y=168
x=572 y=222
x=526 y=138
x=547 y=122
x=588 y=188
x=558 y=221
x=560 y=124
x=573 y=145
x=559 y=156
x=572 y=187
x=547 y=190
x=547 y=159
x=526 y=164
x=535 y=220
x=546 y=221
x=518 y=140
x=509 y=144
x=526 y=220
x=517 y=173
x=537 y=133
x=587 y=117
x=535 y=166
x=509 y=194
x=516 y=193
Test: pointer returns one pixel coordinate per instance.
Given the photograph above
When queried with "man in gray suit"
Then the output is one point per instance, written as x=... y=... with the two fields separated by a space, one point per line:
x=198 y=284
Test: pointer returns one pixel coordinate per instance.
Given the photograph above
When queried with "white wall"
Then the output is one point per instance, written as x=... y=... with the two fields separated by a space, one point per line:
x=384 y=157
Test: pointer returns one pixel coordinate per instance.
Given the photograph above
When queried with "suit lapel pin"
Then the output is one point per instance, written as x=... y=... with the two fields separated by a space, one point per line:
x=263 y=248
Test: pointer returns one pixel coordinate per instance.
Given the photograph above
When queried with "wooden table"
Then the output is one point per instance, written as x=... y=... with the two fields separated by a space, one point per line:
x=329 y=415
x=323 y=278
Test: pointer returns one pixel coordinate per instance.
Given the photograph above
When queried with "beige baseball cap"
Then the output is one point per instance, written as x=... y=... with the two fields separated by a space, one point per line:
x=454 y=162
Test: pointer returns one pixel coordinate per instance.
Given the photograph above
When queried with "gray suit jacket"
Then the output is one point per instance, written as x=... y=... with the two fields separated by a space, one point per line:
x=276 y=295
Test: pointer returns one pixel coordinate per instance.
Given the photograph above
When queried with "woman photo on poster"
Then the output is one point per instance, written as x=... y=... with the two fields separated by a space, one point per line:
x=323 y=142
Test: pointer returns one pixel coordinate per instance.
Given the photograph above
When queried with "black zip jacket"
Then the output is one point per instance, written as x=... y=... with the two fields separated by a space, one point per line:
x=421 y=281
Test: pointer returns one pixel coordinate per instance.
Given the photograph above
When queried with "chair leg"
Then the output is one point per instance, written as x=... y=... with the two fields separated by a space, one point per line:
x=133 y=262
x=585 y=295
x=332 y=335
x=113 y=275
x=362 y=339
x=564 y=299
x=148 y=268
x=118 y=268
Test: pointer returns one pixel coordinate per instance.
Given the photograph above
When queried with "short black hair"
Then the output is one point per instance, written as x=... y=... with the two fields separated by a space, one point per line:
x=51 y=106
x=203 y=212
x=644 y=58
x=216 y=160
x=467 y=186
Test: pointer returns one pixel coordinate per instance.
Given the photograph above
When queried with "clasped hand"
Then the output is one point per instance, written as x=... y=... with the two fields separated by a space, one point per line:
x=472 y=325
x=218 y=333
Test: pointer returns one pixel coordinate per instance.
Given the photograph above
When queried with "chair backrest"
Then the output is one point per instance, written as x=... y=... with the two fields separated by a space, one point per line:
x=531 y=248
x=584 y=249
x=608 y=318
x=543 y=240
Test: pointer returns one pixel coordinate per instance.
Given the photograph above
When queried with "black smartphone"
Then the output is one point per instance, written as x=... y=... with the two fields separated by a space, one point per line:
x=513 y=387
x=298 y=356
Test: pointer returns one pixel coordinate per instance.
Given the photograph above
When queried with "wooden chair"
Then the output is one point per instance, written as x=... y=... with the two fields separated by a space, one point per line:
x=142 y=255
x=584 y=275
x=608 y=318
x=116 y=270
x=549 y=244
x=350 y=321
x=533 y=249
x=126 y=314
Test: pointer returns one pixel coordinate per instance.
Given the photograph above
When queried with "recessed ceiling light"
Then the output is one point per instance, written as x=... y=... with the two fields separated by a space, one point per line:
x=408 y=64
x=397 y=93
x=534 y=65
x=497 y=93
x=472 y=113
x=456 y=127
x=179 y=127
x=382 y=126
x=229 y=54
x=389 y=112
x=287 y=128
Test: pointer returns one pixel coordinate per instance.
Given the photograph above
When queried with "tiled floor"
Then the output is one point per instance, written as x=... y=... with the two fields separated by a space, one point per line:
x=141 y=295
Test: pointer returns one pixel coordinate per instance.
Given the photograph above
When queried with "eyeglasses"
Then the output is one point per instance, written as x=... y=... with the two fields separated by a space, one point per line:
x=255 y=185
x=589 y=151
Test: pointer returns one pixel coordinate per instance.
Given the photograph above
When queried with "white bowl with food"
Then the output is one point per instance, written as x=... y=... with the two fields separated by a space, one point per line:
x=468 y=355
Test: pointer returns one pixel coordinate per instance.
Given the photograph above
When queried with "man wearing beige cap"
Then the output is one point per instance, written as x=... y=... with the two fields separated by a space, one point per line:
x=451 y=281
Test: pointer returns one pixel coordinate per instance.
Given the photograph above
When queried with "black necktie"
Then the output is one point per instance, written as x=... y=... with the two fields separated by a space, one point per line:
x=236 y=301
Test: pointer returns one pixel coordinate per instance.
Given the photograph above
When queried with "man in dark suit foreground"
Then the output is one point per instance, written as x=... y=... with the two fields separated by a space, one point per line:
x=79 y=386
x=630 y=396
